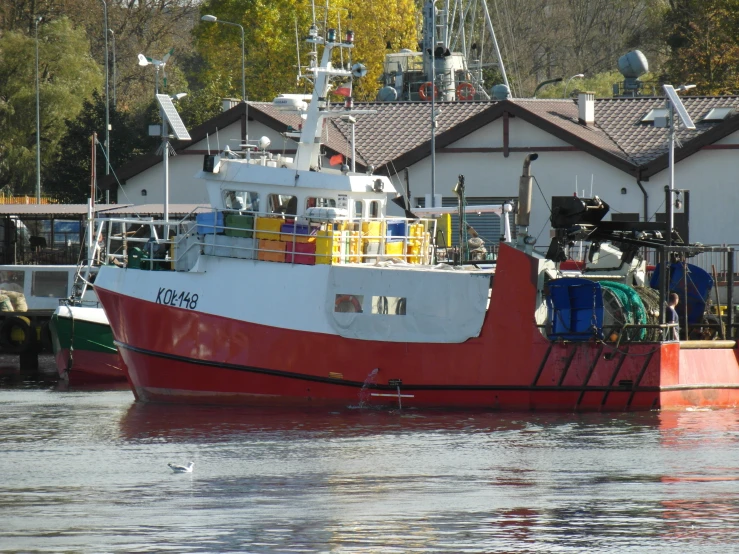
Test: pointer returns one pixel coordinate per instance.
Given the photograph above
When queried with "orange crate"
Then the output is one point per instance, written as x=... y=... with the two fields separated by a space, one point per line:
x=266 y=245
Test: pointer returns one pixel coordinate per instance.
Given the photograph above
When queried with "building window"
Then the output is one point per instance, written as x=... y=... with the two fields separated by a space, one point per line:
x=143 y=192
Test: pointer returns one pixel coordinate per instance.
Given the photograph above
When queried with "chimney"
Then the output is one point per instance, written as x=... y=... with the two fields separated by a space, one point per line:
x=586 y=108
x=229 y=103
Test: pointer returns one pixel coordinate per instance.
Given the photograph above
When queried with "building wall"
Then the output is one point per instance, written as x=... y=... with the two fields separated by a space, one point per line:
x=712 y=176
x=184 y=186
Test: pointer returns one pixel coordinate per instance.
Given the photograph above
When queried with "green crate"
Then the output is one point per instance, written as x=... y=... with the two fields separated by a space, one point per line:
x=242 y=225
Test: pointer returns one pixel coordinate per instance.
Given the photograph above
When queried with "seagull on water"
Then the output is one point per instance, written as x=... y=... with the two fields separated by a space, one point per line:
x=181 y=469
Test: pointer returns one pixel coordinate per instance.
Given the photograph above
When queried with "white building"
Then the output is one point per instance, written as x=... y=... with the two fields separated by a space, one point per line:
x=607 y=147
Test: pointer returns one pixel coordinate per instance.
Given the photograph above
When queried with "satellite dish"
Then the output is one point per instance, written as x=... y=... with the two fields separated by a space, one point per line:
x=143 y=60
x=387 y=94
x=358 y=70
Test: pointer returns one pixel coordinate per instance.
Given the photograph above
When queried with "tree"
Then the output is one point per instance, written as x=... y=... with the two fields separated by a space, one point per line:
x=67 y=75
x=270 y=35
x=704 y=45
x=70 y=174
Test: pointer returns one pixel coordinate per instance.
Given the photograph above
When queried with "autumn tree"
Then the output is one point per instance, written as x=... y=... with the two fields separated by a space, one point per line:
x=704 y=45
x=271 y=48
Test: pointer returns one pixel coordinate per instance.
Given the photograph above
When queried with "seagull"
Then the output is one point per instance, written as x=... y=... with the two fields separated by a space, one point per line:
x=181 y=469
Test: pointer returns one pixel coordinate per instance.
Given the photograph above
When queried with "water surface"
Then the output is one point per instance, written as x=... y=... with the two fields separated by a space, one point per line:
x=86 y=471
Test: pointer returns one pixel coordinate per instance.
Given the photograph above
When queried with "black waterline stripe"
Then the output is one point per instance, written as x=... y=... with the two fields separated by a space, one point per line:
x=405 y=387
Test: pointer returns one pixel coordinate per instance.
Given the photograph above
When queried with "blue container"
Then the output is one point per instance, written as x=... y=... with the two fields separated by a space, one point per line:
x=210 y=223
x=699 y=287
x=396 y=229
x=575 y=309
x=290 y=229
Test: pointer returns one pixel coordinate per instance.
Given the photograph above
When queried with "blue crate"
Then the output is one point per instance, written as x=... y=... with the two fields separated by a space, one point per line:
x=396 y=229
x=210 y=223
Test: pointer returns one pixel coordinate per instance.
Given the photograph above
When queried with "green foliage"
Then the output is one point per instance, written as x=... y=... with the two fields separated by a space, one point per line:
x=704 y=45
x=601 y=84
x=69 y=175
x=67 y=75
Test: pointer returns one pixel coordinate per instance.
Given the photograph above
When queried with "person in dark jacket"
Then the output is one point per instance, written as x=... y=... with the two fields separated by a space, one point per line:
x=674 y=332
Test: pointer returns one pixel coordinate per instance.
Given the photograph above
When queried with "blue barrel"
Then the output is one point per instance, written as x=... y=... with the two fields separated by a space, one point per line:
x=699 y=284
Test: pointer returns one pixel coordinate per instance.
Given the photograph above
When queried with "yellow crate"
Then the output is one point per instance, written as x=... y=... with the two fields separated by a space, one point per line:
x=394 y=248
x=328 y=247
x=268 y=227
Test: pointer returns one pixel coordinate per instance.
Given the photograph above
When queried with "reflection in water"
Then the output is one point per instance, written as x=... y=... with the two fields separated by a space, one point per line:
x=86 y=471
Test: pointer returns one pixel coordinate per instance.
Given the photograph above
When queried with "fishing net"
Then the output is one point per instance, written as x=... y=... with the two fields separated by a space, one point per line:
x=626 y=300
x=650 y=299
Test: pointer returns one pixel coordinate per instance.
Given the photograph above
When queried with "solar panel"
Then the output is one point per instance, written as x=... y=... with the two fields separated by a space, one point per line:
x=679 y=107
x=173 y=118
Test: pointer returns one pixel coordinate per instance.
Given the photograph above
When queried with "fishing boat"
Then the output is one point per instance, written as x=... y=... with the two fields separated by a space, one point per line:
x=298 y=287
x=81 y=338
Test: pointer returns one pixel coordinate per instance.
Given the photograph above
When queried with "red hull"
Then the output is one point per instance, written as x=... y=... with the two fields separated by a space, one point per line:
x=91 y=367
x=196 y=357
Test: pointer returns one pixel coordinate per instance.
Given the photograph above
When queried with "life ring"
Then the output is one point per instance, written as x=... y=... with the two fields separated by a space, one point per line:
x=465 y=91
x=16 y=335
x=347 y=303
x=423 y=92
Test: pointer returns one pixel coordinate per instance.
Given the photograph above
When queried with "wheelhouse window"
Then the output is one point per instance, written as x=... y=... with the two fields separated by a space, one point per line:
x=317 y=202
x=241 y=200
x=50 y=283
x=374 y=209
x=358 y=209
x=282 y=204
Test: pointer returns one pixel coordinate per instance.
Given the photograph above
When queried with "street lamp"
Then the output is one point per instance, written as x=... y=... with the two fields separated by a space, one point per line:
x=578 y=76
x=214 y=19
x=547 y=82
x=38 y=124
x=107 y=100
x=112 y=34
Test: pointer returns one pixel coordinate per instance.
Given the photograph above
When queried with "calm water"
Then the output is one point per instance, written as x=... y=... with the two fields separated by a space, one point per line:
x=85 y=471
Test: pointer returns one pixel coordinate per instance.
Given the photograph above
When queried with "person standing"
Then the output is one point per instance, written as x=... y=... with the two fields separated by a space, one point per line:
x=674 y=332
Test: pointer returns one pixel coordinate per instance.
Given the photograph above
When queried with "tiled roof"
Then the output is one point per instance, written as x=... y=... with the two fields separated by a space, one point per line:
x=397 y=134
x=645 y=144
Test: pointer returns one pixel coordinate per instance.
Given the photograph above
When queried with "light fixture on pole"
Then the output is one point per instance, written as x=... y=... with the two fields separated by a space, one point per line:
x=578 y=76
x=112 y=34
x=38 y=124
x=107 y=99
x=545 y=83
x=214 y=19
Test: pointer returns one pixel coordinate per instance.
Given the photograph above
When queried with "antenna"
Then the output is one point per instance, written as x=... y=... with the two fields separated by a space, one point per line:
x=207 y=140
x=218 y=141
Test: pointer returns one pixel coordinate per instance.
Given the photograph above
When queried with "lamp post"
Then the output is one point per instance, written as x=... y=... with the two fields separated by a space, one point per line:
x=214 y=19
x=578 y=76
x=38 y=124
x=112 y=34
x=107 y=100
x=547 y=82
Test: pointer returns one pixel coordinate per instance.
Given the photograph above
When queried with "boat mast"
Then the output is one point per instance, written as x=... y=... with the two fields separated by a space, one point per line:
x=309 y=147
